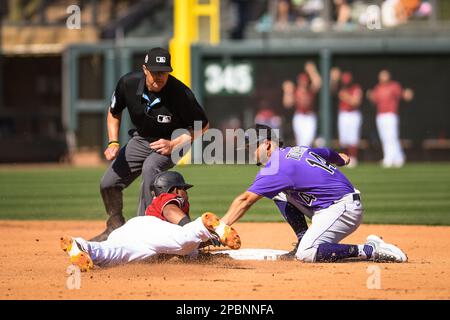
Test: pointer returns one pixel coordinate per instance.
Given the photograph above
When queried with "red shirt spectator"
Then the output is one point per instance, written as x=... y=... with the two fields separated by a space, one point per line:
x=304 y=100
x=304 y=95
x=155 y=209
x=387 y=96
x=352 y=91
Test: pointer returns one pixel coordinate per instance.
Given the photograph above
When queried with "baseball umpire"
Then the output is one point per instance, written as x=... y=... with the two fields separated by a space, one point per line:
x=158 y=104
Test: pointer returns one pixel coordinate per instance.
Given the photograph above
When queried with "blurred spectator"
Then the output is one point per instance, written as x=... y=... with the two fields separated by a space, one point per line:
x=395 y=12
x=343 y=13
x=308 y=13
x=283 y=15
x=349 y=117
x=303 y=97
x=346 y=14
x=386 y=96
x=288 y=94
x=268 y=116
x=242 y=10
x=425 y=9
x=299 y=13
x=406 y=9
x=389 y=13
x=20 y=10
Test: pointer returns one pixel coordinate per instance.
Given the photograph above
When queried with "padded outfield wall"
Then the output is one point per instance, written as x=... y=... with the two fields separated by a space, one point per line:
x=234 y=79
x=260 y=67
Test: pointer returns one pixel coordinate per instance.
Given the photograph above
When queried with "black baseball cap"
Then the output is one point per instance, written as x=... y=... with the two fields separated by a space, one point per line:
x=263 y=132
x=158 y=59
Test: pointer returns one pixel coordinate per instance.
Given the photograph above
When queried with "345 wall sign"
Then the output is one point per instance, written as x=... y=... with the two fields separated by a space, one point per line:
x=228 y=79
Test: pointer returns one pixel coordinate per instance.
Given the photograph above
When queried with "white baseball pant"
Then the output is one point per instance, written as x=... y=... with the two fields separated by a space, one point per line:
x=349 y=125
x=305 y=126
x=330 y=225
x=144 y=237
x=387 y=125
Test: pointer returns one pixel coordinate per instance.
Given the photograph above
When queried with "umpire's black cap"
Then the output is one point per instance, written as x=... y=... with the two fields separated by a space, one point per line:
x=158 y=60
x=263 y=132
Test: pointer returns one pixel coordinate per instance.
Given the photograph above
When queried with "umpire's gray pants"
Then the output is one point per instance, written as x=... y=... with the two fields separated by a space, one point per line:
x=134 y=158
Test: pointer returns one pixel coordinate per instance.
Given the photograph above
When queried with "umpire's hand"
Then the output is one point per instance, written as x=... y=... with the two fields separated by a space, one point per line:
x=162 y=146
x=112 y=151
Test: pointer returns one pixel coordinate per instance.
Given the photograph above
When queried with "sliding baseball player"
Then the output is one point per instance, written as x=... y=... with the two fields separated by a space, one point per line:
x=165 y=229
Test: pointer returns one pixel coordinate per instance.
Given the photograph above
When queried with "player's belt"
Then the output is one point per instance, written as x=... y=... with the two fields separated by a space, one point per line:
x=351 y=196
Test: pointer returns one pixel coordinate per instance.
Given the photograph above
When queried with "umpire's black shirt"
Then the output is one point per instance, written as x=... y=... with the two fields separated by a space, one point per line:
x=156 y=114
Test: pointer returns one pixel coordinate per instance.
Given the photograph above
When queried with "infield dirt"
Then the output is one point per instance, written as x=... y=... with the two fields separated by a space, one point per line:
x=34 y=267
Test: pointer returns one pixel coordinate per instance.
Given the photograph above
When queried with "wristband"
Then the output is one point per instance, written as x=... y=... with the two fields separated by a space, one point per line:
x=184 y=221
x=114 y=143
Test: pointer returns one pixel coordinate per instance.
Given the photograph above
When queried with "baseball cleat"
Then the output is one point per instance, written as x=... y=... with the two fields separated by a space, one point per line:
x=78 y=256
x=385 y=252
x=228 y=236
x=291 y=255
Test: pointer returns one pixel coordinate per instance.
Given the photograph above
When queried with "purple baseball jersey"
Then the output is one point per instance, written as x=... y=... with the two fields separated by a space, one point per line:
x=307 y=175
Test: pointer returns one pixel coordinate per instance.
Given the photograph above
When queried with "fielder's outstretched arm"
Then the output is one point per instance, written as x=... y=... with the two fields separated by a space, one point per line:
x=240 y=206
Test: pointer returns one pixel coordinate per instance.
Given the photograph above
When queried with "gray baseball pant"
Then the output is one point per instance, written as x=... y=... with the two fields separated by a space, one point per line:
x=134 y=159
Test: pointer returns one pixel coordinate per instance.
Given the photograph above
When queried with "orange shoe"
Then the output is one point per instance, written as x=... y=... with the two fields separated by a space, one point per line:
x=77 y=256
x=228 y=236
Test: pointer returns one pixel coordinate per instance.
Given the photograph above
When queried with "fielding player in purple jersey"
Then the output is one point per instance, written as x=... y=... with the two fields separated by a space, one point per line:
x=305 y=181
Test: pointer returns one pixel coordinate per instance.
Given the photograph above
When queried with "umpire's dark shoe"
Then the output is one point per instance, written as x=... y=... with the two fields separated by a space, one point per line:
x=102 y=236
x=112 y=224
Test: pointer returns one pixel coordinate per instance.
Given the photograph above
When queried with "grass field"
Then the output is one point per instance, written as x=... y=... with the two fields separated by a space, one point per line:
x=415 y=194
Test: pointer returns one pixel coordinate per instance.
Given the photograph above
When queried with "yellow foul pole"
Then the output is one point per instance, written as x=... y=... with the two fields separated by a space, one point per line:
x=180 y=44
x=186 y=16
x=185 y=29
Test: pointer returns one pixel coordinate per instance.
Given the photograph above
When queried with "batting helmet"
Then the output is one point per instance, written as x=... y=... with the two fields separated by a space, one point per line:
x=166 y=181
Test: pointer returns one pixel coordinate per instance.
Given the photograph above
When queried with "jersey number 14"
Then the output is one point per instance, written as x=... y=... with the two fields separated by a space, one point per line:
x=320 y=162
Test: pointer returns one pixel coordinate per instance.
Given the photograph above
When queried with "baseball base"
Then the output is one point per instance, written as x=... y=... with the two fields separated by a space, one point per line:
x=252 y=254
